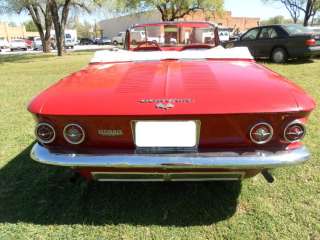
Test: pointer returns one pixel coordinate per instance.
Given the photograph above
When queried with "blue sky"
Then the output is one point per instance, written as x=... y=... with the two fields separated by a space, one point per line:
x=248 y=8
x=255 y=8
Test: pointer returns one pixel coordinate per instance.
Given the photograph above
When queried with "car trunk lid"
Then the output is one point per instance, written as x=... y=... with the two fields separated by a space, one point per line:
x=182 y=87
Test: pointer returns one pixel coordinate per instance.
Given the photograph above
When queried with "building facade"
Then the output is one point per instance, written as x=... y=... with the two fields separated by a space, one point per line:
x=9 y=33
x=111 y=27
x=224 y=19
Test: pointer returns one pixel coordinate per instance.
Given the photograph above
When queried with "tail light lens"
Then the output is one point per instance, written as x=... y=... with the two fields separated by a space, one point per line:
x=261 y=133
x=294 y=132
x=74 y=133
x=45 y=133
x=311 y=42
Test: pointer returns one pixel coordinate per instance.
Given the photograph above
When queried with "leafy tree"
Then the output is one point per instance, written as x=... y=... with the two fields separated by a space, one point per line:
x=30 y=26
x=276 y=20
x=171 y=10
x=12 y=24
x=60 y=10
x=308 y=7
x=84 y=29
x=39 y=12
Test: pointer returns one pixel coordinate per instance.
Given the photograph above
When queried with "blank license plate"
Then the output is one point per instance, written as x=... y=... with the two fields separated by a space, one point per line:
x=165 y=133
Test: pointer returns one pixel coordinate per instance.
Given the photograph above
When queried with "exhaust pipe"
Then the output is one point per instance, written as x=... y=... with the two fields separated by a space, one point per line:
x=267 y=176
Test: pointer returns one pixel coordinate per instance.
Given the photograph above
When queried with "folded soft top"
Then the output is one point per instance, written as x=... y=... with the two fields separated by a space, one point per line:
x=107 y=56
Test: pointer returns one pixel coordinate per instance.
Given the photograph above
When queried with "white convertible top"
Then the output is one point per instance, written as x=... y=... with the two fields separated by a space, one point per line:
x=108 y=56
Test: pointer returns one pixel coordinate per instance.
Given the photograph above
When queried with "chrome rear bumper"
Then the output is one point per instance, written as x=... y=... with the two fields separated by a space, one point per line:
x=192 y=160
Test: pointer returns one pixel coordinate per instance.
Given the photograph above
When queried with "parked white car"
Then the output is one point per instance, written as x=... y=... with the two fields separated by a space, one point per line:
x=4 y=44
x=18 y=44
x=37 y=44
x=137 y=36
x=119 y=39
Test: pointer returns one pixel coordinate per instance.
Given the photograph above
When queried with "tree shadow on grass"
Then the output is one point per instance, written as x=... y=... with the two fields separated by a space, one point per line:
x=24 y=58
x=32 y=57
x=39 y=194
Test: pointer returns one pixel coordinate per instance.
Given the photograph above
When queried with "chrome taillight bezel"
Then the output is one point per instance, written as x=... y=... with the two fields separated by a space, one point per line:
x=47 y=125
x=75 y=125
x=296 y=122
x=266 y=140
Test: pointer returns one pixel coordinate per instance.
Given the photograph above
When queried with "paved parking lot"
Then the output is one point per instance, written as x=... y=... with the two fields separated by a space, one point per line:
x=76 y=48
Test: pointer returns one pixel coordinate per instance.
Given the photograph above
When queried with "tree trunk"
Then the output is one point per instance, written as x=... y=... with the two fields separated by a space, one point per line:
x=59 y=24
x=59 y=42
x=44 y=36
x=48 y=24
x=56 y=23
x=308 y=12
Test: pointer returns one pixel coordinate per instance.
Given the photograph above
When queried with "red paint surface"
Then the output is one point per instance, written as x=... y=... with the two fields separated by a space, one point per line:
x=217 y=131
x=215 y=87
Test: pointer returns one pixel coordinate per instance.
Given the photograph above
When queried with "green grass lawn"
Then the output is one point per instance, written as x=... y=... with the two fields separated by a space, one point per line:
x=38 y=202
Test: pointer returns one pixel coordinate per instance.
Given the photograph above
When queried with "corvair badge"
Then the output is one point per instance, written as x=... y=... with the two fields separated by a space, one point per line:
x=166 y=103
x=164 y=106
x=110 y=132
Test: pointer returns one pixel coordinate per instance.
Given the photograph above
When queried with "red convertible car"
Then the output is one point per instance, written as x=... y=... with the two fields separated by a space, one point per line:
x=172 y=106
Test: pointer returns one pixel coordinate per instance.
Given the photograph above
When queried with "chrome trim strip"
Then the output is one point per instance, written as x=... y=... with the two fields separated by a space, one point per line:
x=160 y=177
x=213 y=160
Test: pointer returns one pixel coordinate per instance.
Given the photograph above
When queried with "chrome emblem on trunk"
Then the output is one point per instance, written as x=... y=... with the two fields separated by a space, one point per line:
x=164 y=106
x=110 y=132
x=166 y=103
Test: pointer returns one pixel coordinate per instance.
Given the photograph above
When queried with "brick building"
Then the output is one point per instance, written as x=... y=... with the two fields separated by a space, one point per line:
x=225 y=19
x=8 y=33
x=110 y=27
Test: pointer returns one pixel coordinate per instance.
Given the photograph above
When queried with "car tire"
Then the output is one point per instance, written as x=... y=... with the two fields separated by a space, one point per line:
x=279 y=55
x=115 y=43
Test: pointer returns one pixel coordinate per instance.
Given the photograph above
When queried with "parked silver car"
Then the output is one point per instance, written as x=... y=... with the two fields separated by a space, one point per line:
x=37 y=44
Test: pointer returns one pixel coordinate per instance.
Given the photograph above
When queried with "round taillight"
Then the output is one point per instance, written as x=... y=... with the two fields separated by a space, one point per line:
x=261 y=133
x=45 y=133
x=294 y=132
x=73 y=133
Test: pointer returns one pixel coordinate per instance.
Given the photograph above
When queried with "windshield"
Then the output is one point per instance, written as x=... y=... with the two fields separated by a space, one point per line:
x=296 y=29
x=172 y=35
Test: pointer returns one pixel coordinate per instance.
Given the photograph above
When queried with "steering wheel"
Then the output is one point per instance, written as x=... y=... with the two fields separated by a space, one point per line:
x=154 y=46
